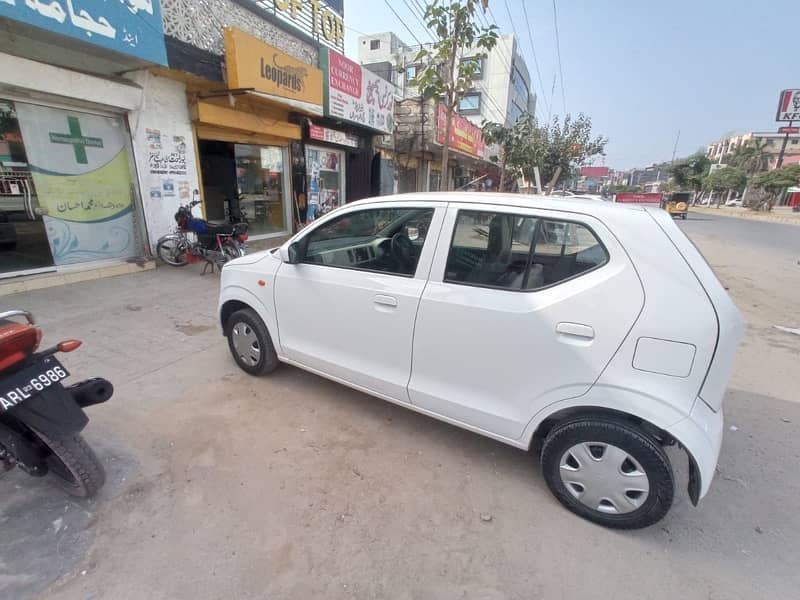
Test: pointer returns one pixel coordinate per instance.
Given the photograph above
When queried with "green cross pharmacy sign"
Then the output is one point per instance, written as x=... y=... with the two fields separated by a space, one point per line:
x=77 y=140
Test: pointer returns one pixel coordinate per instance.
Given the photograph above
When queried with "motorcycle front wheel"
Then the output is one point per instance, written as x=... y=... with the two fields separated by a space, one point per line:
x=172 y=250
x=73 y=463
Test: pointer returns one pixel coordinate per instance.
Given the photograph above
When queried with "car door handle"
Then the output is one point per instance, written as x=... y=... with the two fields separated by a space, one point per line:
x=385 y=300
x=575 y=330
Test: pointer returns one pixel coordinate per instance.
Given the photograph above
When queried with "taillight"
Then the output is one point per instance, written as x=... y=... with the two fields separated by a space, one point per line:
x=242 y=237
x=17 y=342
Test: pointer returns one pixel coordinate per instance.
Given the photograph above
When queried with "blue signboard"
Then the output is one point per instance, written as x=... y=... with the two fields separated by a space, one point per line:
x=132 y=27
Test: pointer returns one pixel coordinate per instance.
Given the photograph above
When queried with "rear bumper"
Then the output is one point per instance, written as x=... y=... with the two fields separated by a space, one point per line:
x=701 y=435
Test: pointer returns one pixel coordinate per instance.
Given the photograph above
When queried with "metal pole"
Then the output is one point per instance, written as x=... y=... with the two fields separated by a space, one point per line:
x=675 y=148
x=779 y=164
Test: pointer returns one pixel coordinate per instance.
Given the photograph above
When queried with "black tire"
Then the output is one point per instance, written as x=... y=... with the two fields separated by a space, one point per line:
x=73 y=464
x=165 y=250
x=683 y=216
x=625 y=436
x=249 y=321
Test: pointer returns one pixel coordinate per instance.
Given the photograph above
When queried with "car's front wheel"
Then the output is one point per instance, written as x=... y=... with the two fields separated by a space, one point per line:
x=608 y=471
x=250 y=343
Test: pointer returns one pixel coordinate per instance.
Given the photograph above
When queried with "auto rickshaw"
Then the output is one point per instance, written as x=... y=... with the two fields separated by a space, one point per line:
x=677 y=203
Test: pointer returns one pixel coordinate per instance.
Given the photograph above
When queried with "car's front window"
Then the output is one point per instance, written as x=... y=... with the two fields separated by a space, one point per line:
x=389 y=240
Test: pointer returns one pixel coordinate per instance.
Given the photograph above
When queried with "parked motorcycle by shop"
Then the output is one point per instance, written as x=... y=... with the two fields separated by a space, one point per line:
x=40 y=419
x=198 y=239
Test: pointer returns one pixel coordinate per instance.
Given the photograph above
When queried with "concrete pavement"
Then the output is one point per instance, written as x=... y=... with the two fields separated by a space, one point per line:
x=227 y=486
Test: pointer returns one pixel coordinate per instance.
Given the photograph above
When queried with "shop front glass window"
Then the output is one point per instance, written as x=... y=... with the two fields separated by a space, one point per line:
x=325 y=172
x=65 y=187
x=260 y=181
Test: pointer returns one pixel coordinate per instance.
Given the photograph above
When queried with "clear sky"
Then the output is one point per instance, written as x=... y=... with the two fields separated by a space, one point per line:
x=642 y=70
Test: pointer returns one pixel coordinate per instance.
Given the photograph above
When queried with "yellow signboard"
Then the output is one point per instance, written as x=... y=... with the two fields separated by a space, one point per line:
x=323 y=20
x=253 y=64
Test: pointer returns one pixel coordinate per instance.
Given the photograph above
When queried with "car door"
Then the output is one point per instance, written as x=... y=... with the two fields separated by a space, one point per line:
x=348 y=309
x=523 y=308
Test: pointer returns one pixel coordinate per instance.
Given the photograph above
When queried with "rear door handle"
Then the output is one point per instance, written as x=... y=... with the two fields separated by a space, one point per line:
x=575 y=330
x=385 y=300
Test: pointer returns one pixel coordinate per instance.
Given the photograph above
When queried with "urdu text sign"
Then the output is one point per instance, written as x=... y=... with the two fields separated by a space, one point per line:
x=132 y=27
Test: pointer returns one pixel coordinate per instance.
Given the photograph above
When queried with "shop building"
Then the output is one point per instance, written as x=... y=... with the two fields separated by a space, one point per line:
x=69 y=194
x=418 y=143
x=338 y=160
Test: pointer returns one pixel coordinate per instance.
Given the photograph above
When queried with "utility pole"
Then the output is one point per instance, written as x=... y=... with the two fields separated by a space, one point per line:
x=675 y=148
x=779 y=164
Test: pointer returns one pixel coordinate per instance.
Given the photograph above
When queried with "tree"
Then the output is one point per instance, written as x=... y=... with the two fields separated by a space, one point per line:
x=774 y=182
x=556 y=148
x=446 y=73
x=515 y=145
x=724 y=180
x=561 y=146
x=751 y=157
x=688 y=173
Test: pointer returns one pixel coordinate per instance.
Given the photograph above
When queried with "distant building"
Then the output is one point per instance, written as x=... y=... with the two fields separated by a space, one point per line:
x=721 y=150
x=500 y=93
x=648 y=177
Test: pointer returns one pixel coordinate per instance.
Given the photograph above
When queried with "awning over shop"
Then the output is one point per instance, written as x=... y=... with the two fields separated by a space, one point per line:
x=243 y=126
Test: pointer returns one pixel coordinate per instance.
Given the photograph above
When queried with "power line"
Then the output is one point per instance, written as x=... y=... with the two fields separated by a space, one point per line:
x=418 y=20
x=408 y=29
x=533 y=50
x=558 y=53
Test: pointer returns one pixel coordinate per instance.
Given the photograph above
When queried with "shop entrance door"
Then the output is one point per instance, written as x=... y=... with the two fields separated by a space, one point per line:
x=23 y=239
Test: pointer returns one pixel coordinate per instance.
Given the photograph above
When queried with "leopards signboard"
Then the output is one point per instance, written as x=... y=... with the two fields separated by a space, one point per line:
x=253 y=64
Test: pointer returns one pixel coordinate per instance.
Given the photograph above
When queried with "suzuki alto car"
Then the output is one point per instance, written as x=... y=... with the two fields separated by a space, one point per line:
x=593 y=328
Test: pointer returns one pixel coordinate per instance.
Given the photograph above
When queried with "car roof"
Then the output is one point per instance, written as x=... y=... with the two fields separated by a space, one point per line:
x=562 y=203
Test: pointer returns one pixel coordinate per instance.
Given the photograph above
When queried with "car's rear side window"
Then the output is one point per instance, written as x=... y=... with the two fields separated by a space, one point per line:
x=518 y=252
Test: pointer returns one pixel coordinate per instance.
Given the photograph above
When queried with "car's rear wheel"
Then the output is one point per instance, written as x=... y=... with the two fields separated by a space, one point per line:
x=608 y=471
x=250 y=343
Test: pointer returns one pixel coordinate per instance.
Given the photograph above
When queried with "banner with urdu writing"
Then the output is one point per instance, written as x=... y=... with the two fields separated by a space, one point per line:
x=81 y=173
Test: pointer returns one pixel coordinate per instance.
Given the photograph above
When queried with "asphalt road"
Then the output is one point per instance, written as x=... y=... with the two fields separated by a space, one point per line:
x=225 y=486
x=769 y=237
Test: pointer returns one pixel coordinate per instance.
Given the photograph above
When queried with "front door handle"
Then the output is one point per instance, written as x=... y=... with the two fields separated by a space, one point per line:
x=386 y=300
x=575 y=330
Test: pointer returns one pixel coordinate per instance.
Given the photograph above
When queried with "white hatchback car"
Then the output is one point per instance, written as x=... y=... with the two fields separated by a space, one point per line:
x=594 y=328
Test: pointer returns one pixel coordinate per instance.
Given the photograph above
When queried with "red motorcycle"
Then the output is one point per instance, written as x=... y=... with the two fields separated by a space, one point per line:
x=41 y=419
x=198 y=239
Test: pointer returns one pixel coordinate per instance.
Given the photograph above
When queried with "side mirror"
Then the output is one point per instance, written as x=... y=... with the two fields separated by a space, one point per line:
x=292 y=253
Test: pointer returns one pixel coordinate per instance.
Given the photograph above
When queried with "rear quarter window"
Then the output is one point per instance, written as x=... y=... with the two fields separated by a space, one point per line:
x=520 y=252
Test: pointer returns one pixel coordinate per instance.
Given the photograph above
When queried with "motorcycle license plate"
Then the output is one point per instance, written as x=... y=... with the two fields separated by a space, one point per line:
x=30 y=381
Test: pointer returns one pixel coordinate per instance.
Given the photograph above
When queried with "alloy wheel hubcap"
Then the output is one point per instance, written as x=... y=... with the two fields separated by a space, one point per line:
x=604 y=478
x=245 y=342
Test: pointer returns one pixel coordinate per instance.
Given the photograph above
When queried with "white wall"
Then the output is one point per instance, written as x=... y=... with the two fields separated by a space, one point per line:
x=164 y=148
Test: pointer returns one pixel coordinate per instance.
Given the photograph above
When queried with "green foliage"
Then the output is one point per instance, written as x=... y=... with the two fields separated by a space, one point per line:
x=775 y=181
x=622 y=189
x=556 y=147
x=751 y=157
x=725 y=179
x=688 y=173
x=455 y=27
